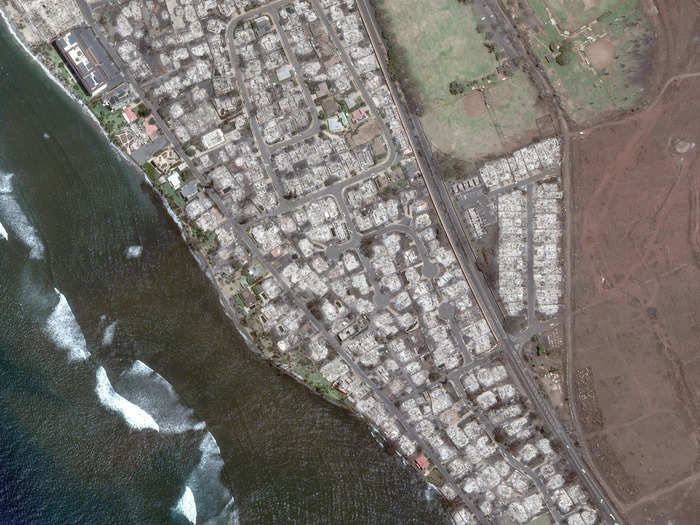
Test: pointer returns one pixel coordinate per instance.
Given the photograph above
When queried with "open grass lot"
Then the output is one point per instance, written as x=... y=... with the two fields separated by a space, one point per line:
x=589 y=93
x=440 y=41
x=455 y=131
x=515 y=108
x=572 y=14
x=491 y=122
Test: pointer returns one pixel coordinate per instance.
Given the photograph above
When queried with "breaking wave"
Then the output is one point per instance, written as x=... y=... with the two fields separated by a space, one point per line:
x=135 y=416
x=6 y=182
x=133 y=252
x=3 y=232
x=140 y=385
x=108 y=336
x=187 y=506
x=64 y=331
x=16 y=220
x=214 y=501
x=204 y=497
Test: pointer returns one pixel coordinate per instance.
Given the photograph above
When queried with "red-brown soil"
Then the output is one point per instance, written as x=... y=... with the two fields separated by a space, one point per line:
x=636 y=289
x=601 y=53
x=677 y=44
x=474 y=104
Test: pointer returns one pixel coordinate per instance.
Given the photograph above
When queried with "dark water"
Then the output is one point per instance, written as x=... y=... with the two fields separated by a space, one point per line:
x=288 y=456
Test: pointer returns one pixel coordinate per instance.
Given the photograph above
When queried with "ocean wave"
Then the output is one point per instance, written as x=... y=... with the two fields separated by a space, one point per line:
x=15 y=219
x=215 y=505
x=6 y=182
x=146 y=388
x=135 y=416
x=204 y=498
x=108 y=336
x=64 y=331
x=133 y=252
x=187 y=506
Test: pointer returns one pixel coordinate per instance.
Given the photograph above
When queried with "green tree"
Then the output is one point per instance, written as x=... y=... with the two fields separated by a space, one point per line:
x=564 y=58
x=456 y=87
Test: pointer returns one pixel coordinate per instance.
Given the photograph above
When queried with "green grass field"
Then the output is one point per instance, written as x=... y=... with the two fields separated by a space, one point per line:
x=454 y=132
x=317 y=382
x=588 y=93
x=572 y=14
x=515 y=107
x=441 y=43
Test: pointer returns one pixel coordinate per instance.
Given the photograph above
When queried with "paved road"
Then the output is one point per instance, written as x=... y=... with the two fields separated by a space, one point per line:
x=447 y=215
x=530 y=255
x=335 y=190
x=387 y=403
x=162 y=126
x=460 y=244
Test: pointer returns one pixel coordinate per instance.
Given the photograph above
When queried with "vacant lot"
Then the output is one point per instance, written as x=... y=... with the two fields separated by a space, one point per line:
x=636 y=293
x=619 y=48
x=515 y=109
x=441 y=44
x=572 y=14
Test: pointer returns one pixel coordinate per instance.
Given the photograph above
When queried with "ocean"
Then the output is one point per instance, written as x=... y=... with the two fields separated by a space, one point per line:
x=126 y=395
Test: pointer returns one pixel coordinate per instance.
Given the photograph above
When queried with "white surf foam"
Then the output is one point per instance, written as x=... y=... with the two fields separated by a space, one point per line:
x=214 y=501
x=5 y=182
x=140 y=369
x=187 y=506
x=141 y=385
x=135 y=416
x=64 y=331
x=133 y=252
x=108 y=336
x=3 y=232
x=16 y=220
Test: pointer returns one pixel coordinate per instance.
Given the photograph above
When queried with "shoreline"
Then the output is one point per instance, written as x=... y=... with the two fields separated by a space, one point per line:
x=376 y=434
x=203 y=265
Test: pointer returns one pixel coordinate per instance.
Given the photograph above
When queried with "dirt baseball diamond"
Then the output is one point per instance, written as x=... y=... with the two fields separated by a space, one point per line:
x=601 y=53
x=636 y=291
x=474 y=104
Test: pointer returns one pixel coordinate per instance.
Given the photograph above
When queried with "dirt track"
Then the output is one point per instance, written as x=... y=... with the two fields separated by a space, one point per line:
x=636 y=290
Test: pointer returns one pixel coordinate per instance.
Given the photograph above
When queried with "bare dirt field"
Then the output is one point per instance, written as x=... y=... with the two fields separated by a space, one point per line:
x=601 y=53
x=636 y=310
x=365 y=133
x=474 y=104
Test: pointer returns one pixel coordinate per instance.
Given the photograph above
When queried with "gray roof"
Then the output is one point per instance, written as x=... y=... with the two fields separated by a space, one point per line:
x=189 y=189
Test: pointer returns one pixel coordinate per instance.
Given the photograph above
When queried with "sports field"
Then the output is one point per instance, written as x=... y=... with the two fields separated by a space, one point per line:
x=441 y=43
x=572 y=14
x=604 y=75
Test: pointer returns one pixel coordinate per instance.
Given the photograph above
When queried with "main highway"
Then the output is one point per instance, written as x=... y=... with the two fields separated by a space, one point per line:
x=483 y=294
